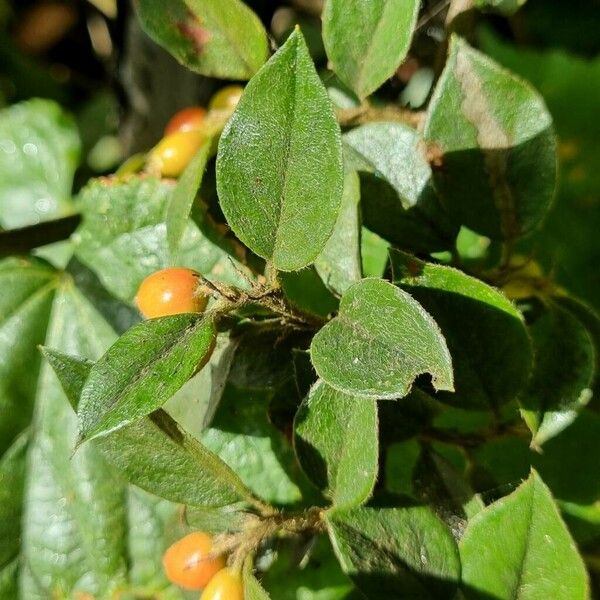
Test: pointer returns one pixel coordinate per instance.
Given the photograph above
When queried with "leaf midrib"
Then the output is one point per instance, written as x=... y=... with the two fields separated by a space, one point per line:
x=165 y=352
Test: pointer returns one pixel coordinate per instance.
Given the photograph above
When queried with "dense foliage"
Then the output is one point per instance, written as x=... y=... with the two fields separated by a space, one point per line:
x=390 y=392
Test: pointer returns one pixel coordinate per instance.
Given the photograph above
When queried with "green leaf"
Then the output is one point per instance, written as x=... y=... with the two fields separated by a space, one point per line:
x=216 y=38
x=79 y=495
x=398 y=201
x=38 y=155
x=519 y=548
x=486 y=335
x=563 y=373
x=335 y=437
x=154 y=453
x=279 y=165
x=142 y=370
x=242 y=433
x=312 y=575
x=71 y=371
x=396 y=552
x=153 y=524
x=338 y=264
x=437 y=482
x=567 y=243
x=123 y=237
x=493 y=140
x=252 y=589
x=28 y=288
x=242 y=436
x=379 y=343
x=305 y=290
x=366 y=42
x=12 y=483
x=374 y=253
x=591 y=321
x=184 y=195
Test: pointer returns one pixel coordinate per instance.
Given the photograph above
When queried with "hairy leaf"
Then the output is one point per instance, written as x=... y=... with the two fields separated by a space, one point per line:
x=398 y=200
x=485 y=332
x=217 y=38
x=154 y=453
x=518 y=548
x=279 y=165
x=184 y=195
x=367 y=41
x=379 y=343
x=335 y=437
x=338 y=264
x=491 y=137
x=123 y=236
x=142 y=370
x=396 y=552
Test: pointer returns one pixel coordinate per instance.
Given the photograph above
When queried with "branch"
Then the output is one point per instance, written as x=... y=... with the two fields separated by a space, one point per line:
x=25 y=239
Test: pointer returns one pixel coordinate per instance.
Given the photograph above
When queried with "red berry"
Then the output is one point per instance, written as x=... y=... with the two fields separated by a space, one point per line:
x=186 y=119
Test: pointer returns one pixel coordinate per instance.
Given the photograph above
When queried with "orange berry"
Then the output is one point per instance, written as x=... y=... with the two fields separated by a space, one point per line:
x=225 y=585
x=186 y=119
x=186 y=563
x=226 y=98
x=170 y=292
x=173 y=153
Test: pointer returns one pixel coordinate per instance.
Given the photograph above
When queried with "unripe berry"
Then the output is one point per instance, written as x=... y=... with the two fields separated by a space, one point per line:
x=186 y=120
x=187 y=564
x=226 y=98
x=170 y=292
x=225 y=585
x=173 y=153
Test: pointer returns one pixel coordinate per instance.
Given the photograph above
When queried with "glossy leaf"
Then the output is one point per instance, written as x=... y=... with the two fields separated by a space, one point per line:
x=39 y=151
x=396 y=552
x=338 y=264
x=367 y=41
x=184 y=195
x=28 y=288
x=154 y=453
x=279 y=165
x=12 y=483
x=494 y=146
x=84 y=549
x=563 y=373
x=398 y=201
x=217 y=38
x=379 y=343
x=142 y=370
x=335 y=437
x=123 y=236
x=519 y=548
x=485 y=332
